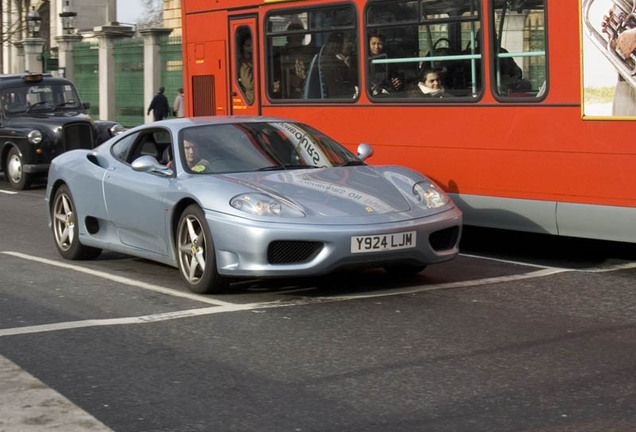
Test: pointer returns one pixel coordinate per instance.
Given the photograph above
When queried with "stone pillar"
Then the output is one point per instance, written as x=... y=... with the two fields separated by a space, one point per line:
x=152 y=65
x=17 y=63
x=33 y=54
x=65 y=53
x=106 y=36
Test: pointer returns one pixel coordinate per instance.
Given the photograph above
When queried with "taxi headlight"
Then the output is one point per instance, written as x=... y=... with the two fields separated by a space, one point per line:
x=430 y=195
x=35 y=137
x=264 y=205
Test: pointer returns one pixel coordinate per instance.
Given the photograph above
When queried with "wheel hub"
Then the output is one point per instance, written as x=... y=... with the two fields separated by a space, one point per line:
x=15 y=169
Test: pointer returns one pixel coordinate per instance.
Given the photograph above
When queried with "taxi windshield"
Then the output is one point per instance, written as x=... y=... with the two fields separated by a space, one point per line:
x=39 y=97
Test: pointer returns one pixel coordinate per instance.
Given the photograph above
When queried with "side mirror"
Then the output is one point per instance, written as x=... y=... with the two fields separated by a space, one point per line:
x=150 y=164
x=365 y=151
x=86 y=105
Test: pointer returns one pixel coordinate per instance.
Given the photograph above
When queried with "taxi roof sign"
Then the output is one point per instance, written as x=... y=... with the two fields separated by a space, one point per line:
x=33 y=77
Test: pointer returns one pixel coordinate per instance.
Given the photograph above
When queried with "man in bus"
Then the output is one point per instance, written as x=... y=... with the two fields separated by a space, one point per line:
x=291 y=65
x=246 y=68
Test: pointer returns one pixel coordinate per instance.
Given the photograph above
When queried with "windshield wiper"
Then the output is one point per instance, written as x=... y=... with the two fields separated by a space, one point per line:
x=35 y=104
x=272 y=168
x=353 y=163
x=60 y=105
x=286 y=167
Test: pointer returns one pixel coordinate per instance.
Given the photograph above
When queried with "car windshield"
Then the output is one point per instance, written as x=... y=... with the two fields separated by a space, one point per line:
x=264 y=146
x=38 y=97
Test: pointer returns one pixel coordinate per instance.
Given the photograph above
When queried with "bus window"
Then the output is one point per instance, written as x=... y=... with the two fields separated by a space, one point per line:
x=419 y=38
x=311 y=54
x=519 y=49
x=245 y=62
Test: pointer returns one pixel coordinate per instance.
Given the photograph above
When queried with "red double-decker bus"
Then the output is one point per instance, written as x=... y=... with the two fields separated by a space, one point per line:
x=508 y=130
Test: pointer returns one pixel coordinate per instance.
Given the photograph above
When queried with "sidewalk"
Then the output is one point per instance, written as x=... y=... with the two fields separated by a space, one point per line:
x=28 y=405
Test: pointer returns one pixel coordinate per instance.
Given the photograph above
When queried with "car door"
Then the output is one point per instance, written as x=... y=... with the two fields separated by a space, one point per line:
x=135 y=201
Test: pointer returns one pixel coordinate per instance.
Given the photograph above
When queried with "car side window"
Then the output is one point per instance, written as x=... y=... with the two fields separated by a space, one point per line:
x=122 y=147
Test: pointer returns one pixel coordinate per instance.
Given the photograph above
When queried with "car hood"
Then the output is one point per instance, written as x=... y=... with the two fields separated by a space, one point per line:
x=335 y=192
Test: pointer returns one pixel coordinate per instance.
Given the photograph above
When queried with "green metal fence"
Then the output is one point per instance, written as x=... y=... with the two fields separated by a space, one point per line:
x=171 y=66
x=129 y=81
x=86 y=73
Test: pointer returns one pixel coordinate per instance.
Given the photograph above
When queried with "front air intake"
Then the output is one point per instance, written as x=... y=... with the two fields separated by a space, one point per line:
x=292 y=251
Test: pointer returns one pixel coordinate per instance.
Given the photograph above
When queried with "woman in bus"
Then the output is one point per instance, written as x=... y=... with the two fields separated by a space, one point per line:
x=429 y=85
x=383 y=81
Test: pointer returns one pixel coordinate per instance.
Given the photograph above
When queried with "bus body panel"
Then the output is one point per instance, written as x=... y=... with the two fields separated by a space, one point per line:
x=538 y=166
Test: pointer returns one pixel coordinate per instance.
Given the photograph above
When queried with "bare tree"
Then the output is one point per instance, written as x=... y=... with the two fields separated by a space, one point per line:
x=153 y=14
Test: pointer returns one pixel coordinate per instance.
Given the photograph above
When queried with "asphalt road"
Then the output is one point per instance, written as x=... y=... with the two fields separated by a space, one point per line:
x=519 y=333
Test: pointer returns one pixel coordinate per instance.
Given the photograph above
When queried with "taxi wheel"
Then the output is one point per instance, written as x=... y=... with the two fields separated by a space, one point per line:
x=66 y=229
x=197 y=261
x=14 y=171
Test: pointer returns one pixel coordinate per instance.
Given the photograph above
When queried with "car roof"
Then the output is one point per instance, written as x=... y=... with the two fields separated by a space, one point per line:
x=16 y=79
x=196 y=121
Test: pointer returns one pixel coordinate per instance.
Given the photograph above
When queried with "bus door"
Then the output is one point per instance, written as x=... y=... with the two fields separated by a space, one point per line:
x=206 y=66
x=245 y=98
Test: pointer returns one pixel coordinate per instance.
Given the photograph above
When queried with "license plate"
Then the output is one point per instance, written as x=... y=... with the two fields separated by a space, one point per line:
x=383 y=242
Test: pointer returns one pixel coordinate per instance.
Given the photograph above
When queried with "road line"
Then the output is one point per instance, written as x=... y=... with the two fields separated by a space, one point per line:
x=222 y=307
x=616 y=267
x=8 y=192
x=120 y=279
x=29 y=405
x=507 y=261
x=145 y=319
x=461 y=284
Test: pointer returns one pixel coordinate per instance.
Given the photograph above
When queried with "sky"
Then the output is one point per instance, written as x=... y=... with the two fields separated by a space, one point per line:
x=128 y=11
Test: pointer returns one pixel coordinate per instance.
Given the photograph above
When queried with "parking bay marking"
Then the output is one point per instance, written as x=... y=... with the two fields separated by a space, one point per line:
x=222 y=307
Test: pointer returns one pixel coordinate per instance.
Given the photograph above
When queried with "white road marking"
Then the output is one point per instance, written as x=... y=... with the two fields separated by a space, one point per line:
x=8 y=192
x=616 y=267
x=120 y=279
x=28 y=405
x=222 y=307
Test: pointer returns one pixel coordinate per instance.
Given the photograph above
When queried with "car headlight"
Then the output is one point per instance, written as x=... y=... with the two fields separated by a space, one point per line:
x=265 y=205
x=116 y=129
x=35 y=137
x=430 y=195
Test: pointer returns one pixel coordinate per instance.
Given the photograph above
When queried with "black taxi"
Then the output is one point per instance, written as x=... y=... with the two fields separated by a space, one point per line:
x=41 y=116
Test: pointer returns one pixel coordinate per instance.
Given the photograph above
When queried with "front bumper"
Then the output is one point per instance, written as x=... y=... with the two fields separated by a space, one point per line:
x=242 y=245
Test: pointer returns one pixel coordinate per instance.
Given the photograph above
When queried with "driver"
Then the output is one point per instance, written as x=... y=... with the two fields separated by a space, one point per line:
x=193 y=161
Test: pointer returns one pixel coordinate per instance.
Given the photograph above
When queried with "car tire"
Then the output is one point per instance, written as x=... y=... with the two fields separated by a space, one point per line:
x=197 y=260
x=14 y=170
x=66 y=229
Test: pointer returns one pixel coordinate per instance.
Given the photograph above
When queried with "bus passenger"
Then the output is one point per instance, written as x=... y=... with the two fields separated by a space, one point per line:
x=291 y=65
x=429 y=85
x=383 y=82
x=338 y=68
x=246 y=68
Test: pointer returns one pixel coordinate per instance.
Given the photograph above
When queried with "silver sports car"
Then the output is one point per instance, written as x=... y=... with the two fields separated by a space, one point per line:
x=235 y=197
